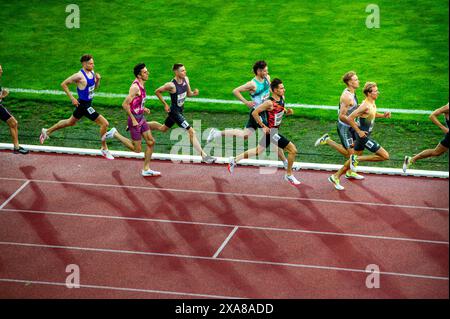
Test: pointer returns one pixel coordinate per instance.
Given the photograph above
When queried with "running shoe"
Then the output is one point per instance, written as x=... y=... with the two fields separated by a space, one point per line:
x=322 y=140
x=43 y=136
x=209 y=159
x=213 y=134
x=231 y=165
x=353 y=162
x=106 y=154
x=150 y=172
x=20 y=150
x=336 y=183
x=406 y=163
x=351 y=174
x=109 y=134
x=291 y=179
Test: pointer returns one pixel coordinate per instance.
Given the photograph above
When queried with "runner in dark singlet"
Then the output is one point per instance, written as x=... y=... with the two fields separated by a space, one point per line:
x=443 y=145
x=7 y=117
x=367 y=113
x=274 y=108
x=179 y=88
x=87 y=81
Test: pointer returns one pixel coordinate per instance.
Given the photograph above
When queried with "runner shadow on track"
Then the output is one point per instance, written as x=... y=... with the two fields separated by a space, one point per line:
x=39 y=222
x=135 y=209
x=220 y=208
x=346 y=255
x=397 y=218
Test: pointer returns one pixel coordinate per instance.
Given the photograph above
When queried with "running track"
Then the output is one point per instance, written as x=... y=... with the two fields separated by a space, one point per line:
x=199 y=232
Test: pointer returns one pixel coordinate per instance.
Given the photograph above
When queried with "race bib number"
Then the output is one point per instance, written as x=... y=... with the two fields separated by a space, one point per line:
x=90 y=110
x=278 y=118
x=91 y=92
x=181 y=98
x=370 y=144
x=276 y=137
x=185 y=124
x=350 y=141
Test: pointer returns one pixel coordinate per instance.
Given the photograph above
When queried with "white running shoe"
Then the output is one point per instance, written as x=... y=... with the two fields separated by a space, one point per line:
x=322 y=140
x=43 y=136
x=209 y=159
x=336 y=183
x=291 y=179
x=150 y=172
x=106 y=154
x=109 y=134
x=213 y=134
x=231 y=165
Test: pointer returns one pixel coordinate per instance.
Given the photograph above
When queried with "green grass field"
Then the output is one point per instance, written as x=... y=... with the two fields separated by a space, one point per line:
x=309 y=44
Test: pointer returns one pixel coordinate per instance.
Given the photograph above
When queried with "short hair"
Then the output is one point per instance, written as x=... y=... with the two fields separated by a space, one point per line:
x=259 y=65
x=275 y=83
x=138 y=68
x=368 y=87
x=176 y=66
x=85 y=58
x=348 y=76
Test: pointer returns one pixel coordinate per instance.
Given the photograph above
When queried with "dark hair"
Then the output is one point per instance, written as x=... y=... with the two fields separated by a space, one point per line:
x=85 y=58
x=138 y=68
x=348 y=76
x=176 y=66
x=259 y=65
x=368 y=88
x=274 y=84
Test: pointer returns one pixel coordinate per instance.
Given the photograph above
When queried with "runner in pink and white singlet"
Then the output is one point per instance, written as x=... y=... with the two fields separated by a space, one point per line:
x=134 y=106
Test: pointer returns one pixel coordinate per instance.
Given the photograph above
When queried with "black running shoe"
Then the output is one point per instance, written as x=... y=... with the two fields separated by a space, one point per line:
x=20 y=150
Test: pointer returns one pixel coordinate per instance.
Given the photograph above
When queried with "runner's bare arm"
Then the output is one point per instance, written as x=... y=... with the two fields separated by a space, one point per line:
x=168 y=87
x=345 y=103
x=134 y=91
x=97 y=80
x=436 y=113
x=189 y=91
x=261 y=108
x=247 y=87
x=75 y=78
x=357 y=113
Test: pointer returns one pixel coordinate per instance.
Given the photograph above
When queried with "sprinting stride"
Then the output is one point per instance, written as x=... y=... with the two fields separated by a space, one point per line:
x=442 y=146
x=179 y=88
x=347 y=104
x=86 y=81
x=11 y=121
x=135 y=109
x=367 y=113
x=274 y=107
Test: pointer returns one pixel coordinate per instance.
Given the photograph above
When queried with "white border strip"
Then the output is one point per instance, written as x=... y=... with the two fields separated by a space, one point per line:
x=223 y=160
x=214 y=101
x=116 y=288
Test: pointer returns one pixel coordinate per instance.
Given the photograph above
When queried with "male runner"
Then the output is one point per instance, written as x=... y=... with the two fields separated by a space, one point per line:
x=275 y=109
x=86 y=81
x=348 y=103
x=443 y=145
x=258 y=88
x=179 y=88
x=366 y=112
x=7 y=117
x=134 y=106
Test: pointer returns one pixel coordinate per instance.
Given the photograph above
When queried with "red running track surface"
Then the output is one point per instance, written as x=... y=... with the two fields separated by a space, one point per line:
x=199 y=232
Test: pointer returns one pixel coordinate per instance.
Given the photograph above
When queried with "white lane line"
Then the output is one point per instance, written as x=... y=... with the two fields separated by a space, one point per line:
x=240 y=195
x=268 y=263
x=215 y=101
x=427 y=241
x=225 y=242
x=164 y=292
x=15 y=194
